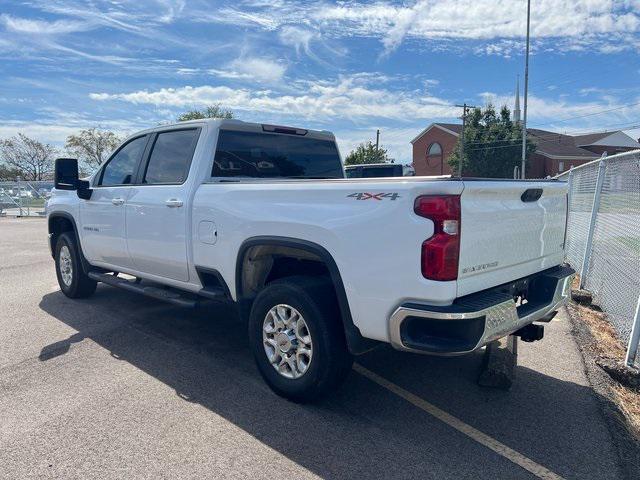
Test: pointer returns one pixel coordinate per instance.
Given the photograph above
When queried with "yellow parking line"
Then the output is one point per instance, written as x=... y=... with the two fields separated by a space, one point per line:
x=482 y=438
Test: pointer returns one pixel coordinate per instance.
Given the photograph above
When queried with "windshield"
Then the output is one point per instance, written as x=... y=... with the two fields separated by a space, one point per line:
x=266 y=155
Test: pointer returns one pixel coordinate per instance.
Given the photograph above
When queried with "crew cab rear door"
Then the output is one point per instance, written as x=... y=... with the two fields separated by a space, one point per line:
x=158 y=207
x=509 y=229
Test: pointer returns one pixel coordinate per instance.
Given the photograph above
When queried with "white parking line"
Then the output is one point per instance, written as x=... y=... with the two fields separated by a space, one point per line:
x=482 y=438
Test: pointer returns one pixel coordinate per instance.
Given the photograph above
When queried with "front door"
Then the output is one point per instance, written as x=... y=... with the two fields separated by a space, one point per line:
x=103 y=216
x=157 y=210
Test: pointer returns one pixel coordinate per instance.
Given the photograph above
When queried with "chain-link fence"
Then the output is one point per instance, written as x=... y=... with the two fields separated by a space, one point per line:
x=22 y=198
x=603 y=236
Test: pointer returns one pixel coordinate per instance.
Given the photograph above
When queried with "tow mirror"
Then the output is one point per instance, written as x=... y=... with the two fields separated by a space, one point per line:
x=66 y=174
x=66 y=178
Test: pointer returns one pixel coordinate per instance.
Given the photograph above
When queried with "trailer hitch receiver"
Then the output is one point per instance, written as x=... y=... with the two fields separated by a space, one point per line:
x=530 y=333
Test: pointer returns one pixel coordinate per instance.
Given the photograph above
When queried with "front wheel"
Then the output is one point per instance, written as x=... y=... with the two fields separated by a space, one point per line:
x=297 y=338
x=73 y=282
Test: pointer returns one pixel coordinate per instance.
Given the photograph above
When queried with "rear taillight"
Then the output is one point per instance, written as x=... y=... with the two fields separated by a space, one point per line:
x=440 y=252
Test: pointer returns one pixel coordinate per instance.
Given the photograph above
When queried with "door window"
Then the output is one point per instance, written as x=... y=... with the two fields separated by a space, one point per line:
x=171 y=156
x=122 y=166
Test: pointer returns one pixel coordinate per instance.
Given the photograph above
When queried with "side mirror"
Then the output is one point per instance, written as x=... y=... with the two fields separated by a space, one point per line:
x=66 y=174
x=66 y=178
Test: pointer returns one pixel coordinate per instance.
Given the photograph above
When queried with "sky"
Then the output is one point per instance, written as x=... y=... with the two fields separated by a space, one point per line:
x=350 y=67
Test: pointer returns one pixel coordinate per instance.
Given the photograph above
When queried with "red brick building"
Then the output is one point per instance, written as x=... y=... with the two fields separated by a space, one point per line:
x=554 y=154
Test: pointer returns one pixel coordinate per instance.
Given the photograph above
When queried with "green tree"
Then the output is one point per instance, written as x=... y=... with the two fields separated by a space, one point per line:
x=367 y=153
x=33 y=159
x=212 y=111
x=92 y=146
x=492 y=144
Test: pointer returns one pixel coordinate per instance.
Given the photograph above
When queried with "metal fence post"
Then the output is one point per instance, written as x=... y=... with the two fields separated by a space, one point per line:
x=570 y=182
x=634 y=339
x=19 y=195
x=592 y=223
x=569 y=195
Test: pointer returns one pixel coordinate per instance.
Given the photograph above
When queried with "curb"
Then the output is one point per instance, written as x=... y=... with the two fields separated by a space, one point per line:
x=626 y=445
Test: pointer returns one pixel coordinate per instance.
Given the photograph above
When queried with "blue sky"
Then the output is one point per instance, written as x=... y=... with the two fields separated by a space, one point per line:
x=350 y=67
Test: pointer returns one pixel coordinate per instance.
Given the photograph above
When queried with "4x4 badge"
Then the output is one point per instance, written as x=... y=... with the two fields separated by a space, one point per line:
x=373 y=196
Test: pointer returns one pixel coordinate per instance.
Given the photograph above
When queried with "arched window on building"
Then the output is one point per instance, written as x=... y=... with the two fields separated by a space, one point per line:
x=434 y=157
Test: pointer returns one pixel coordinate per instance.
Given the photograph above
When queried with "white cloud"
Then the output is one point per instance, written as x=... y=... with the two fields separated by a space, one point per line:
x=261 y=69
x=244 y=68
x=584 y=22
x=57 y=133
x=353 y=97
x=359 y=98
x=40 y=27
x=298 y=38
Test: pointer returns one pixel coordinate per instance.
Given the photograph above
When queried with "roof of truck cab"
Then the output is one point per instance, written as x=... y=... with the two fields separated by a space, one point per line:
x=238 y=125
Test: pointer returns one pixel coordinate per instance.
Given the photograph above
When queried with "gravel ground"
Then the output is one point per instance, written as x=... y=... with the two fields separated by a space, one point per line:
x=120 y=386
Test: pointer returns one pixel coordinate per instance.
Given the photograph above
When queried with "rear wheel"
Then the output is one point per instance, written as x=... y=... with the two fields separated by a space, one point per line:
x=73 y=282
x=297 y=338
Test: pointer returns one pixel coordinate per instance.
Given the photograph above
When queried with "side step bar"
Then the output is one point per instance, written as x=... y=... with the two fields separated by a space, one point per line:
x=174 y=296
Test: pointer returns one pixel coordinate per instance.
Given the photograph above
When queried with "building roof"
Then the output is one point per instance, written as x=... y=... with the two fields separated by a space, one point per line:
x=452 y=128
x=556 y=145
x=616 y=138
x=552 y=144
x=591 y=138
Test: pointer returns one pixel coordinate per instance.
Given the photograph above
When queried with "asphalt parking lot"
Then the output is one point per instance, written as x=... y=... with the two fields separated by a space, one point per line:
x=120 y=386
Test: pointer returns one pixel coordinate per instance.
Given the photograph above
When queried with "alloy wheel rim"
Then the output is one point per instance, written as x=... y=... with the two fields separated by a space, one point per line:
x=287 y=341
x=66 y=266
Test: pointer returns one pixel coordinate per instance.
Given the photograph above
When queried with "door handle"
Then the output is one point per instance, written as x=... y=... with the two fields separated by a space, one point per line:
x=173 y=203
x=117 y=201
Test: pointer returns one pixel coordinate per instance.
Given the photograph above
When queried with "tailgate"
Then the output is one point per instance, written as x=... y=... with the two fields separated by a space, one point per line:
x=507 y=232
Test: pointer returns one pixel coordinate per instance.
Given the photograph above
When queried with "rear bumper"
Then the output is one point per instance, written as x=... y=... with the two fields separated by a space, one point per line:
x=475 y=320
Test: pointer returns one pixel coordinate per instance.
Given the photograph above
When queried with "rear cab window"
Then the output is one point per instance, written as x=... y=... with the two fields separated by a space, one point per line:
x=266 y=155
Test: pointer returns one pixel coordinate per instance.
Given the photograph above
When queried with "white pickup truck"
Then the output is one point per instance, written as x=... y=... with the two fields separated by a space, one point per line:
x=323 y=267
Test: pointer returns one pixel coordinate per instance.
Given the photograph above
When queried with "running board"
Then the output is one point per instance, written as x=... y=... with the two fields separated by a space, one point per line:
x=174 y=296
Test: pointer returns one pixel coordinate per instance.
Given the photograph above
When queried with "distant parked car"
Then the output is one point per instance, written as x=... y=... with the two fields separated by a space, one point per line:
x=408 y=170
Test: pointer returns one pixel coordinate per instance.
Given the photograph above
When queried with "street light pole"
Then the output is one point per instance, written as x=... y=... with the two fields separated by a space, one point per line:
x=526 y=88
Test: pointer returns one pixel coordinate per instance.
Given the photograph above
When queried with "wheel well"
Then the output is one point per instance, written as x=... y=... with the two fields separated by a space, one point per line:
x=57 y=226
x=262 y=264
x=264 y=259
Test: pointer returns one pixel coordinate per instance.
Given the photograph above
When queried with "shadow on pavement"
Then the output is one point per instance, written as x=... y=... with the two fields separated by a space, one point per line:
x=363 y=430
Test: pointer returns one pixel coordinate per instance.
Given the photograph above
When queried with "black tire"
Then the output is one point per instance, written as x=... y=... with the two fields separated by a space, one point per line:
x=331 y=362
x=80 y=286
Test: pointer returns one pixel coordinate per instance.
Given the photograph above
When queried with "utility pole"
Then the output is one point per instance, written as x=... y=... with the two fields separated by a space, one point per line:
x=526 y=87
x=377 y=139
x=465 y=111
